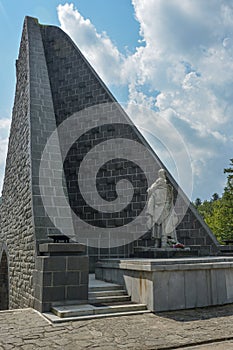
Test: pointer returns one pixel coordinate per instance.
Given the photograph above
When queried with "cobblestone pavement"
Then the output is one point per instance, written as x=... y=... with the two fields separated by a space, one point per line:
x=26 y=329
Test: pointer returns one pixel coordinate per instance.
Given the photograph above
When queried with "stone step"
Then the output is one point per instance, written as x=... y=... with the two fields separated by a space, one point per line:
x=109 y=299
x=105 y=288
x=55 y=319
x=70 y=311
x=203 y=250
x=101 y=293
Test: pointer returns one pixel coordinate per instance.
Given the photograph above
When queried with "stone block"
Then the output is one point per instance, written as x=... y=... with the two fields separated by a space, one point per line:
x=42 y=278
x=190 y=282
x=176 y=290
x=77 y=292
x=83 y=277
x=66 y=278
x=160 y=291
x=214 y=286
x=229 y=285
x=41 y=306
x=52 y=294
x=220 y=279
x=79 y=263
x=38 y=292
x=54 y=263
x=203 y=292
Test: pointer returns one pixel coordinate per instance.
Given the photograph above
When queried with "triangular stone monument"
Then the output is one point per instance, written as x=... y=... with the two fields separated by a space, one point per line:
x=54 y=82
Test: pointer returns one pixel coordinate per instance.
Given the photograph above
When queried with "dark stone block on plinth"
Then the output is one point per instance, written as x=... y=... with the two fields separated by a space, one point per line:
x=61 y=275
x=225 y=250
x=203 y=250
x=62 y=248
x=163 y=253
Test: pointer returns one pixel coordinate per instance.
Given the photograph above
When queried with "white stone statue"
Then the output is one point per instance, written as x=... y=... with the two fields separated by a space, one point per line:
x=161 y=216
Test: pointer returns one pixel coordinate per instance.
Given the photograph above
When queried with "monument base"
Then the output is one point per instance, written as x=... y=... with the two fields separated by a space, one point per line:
x=172 y=284
x=154 y=253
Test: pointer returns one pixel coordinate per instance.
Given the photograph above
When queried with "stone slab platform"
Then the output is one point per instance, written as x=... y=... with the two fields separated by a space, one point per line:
x=151 y=264
x=172 y=284
x=76 y=312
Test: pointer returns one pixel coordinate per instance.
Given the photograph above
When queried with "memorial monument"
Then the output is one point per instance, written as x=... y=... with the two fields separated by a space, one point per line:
x=54 y=82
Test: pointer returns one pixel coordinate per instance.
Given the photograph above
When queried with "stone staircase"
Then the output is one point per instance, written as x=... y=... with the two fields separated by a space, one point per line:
x=107 y=295
x=104 y=300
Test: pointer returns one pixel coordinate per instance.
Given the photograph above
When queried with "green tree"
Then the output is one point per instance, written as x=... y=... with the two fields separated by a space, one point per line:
x=197 y=202
x=227 y=205
x=218 y=212
x=215 y=197
x=214 y=219
x=205 y=209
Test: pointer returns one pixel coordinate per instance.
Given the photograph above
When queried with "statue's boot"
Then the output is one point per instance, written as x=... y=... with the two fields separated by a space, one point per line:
x=157 y=242
x=164 y=242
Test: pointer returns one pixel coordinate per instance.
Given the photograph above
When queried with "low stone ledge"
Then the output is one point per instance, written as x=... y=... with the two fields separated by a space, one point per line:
x=167 y=264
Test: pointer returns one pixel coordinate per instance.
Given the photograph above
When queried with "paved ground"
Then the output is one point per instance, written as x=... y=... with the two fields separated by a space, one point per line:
x=27 y=330
x=226 y=345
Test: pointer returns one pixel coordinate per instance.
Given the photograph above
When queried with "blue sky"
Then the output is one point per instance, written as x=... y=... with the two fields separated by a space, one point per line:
x=110 y=16
x=173 y=57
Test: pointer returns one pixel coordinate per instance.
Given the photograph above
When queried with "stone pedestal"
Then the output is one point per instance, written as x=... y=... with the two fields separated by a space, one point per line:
x=163 y=253
x=61 y=275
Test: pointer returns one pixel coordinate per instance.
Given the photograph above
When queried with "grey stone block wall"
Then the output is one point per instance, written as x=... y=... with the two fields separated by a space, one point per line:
x=42 y=125
x=24 y=222
x=76 y=86
x=17 y=231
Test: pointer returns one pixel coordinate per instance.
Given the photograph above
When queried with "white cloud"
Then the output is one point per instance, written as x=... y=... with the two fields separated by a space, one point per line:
x=184 y=69
x=3 y=150
x=5 y=124
x=97 y=47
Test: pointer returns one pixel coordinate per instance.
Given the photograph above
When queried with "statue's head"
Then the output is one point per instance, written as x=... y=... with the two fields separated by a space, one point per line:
x=162 y=173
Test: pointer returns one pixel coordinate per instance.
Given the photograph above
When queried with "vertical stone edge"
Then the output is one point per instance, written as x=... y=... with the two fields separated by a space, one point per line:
x=42 y=126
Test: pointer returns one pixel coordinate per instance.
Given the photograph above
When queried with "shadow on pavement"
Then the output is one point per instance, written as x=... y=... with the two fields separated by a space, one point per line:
x=204 y=313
